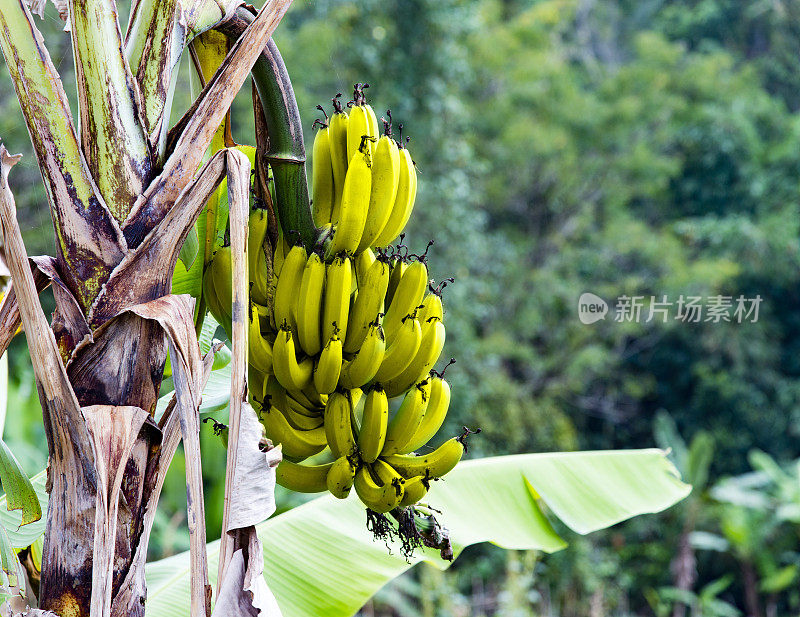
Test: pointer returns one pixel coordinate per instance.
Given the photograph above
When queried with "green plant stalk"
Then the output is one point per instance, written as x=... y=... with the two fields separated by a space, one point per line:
x=287 y=153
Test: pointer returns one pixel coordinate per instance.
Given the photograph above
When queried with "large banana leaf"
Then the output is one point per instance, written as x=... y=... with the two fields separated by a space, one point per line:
x=320 y=560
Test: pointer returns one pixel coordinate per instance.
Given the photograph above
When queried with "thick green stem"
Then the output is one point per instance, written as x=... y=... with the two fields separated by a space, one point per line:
x=287 y=153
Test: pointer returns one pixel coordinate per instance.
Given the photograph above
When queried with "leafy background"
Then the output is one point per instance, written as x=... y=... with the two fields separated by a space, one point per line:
x=619 y=147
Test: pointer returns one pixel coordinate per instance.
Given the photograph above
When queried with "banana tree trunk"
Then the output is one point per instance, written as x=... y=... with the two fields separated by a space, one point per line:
x=122 y=202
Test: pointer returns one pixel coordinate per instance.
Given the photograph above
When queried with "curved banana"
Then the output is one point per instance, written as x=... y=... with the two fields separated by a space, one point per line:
x=259 y=353
x=433 y=337
x=432 y=465
x=403 y=203
x=389 y=477
x=296 y=444
x=340 y=477
x=402 y=351
x=322 y=191
x=431 y=307
x=257 y=229
x=380 y=498
x=407 y=418
x=372 y=286
x=358 y=127
x=329 y=366
x=290 y=373
x=407 y=297
x=361 y=263
x=301 y=421
x=354 y=207
x=362 y=368
x=309 y=305
x=415 y=489
x=336 y=304
x=339 y=425
x=374 y=421
x=435 y=413
x=303 y=478
x=339 y=160
x=289 y=280
x=385 y=182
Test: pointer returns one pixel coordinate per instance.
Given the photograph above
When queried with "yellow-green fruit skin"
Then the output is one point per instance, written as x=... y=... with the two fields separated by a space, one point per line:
x=372 y=434
x=340 y=477
x=322 y=178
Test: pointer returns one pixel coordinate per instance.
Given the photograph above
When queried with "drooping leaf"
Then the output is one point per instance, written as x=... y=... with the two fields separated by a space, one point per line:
x=320 y=560
x=20 y=535
x=17 y=486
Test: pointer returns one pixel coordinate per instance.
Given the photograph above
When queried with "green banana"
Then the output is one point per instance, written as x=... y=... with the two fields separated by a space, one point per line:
x=402 y=351
x=289 y=280
x=385 y=182
x=432 y=465
x=291 y=374
x=303 y=478
x=259 y=350
x=407 y=418
x=336 y=304
x=340 y=477
x=329 y=366
x=338 y=424
x=435 y=413
x=379 y=498
x=407 y=297
x=433 y=337
x=389 y=477
x=372 y=285
x=374 y=422
x=403 y=203
x=339 y=160
x=296 y=444
x=362 y=368
x=257 y=229
x=309 y=305
x=414 y=489
x=354 y=208
x=322 y=190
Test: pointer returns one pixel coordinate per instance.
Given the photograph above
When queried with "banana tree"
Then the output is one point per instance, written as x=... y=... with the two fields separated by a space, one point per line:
x=125 y=192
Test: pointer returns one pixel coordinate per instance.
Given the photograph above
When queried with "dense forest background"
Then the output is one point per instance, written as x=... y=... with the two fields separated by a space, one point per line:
x=647 y=148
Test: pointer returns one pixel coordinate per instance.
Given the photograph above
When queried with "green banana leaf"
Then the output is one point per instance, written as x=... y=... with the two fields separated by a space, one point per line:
x=319 y=558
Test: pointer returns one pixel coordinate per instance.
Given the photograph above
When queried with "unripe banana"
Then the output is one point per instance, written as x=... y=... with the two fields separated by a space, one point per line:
x=414 y=489
x=339 y=426
x=403 y=203
x=338 y=283
x=380 y=498
x=358 y=128
x=281 y=251
x=300 y=421
x=362 y=368
x=407 y=297
x=303 y=478
x=217 y=283
x=385 y=182
x=432 y=465
x=433 y=337
x=291 y=374
x=374 y=422
x=354 y=207
x=388 y=476
x=322 y=190
x=372 y=120
x=289 y=280
x=339 y=160
x=402 y=351
x=329 y=366
x=407 y=418
x=361 y=264
x=340 y=477
x=257 y=229
x=435 y=413
x=431 y=307
x=309 y=305
x=368 y=303
x=396 y=270
x=259 y=350
x=296 y=444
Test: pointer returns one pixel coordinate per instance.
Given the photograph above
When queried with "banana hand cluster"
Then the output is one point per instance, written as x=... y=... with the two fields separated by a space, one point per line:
x=343 y=340
x=363 y=183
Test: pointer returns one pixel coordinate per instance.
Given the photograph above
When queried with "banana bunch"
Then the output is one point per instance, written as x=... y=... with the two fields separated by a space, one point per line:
x=349 y=341
x=363 y=183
